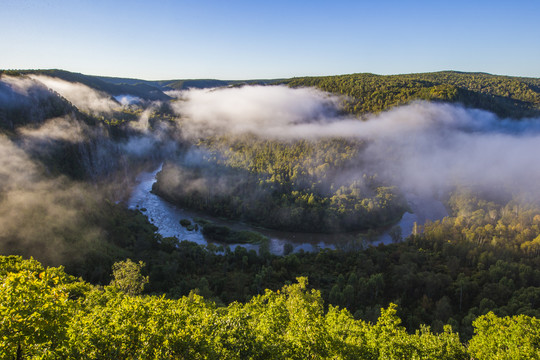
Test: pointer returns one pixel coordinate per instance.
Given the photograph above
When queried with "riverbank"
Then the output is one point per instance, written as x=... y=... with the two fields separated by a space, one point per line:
x=166 y=216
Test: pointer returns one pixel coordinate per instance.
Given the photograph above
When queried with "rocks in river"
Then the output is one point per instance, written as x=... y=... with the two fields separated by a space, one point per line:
x=188 y=225
x=185 y=223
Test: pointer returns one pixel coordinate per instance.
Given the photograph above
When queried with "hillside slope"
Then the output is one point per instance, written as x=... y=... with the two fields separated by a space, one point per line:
x=369 y=93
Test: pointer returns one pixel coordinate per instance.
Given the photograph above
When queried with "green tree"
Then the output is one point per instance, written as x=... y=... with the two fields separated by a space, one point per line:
x=506 y=338
x=34 y=309
x=127 y=277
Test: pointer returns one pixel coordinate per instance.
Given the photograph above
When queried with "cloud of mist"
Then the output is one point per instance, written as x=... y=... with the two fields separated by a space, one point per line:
x=254 y=109
x=21 y=85
x=44 y=212
x=80 y=95
x=127 y=99
x=429 y=148
x=40 y=215
x=23 y=101
x=65 y=129
x=142 y=123
x=426 y=148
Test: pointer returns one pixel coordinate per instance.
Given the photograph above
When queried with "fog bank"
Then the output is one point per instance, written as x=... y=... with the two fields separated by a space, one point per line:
x=422 y=147
x=39 y=214
x=82 y=96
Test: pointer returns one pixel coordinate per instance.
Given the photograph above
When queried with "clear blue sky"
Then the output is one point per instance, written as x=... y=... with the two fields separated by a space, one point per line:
x=229 y=39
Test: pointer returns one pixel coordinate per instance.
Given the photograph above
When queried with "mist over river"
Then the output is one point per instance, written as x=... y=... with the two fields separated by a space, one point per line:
x=166 y=216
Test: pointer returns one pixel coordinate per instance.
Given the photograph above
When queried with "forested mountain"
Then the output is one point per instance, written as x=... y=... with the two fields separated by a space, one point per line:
x=136 y=88
x=504 y=95
x=507 y=96
x=211 y=83
x=170 y=84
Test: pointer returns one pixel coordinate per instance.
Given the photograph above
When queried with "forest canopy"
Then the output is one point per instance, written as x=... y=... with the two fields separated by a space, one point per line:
x=369 y=93
x=48 y=314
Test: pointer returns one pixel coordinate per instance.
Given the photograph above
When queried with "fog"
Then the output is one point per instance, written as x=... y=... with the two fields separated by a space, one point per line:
x=82 y=96
x=56 y=173
x=261 y=110
x=423 y=148
x=66 y=129
x=426 y=148
x=40 y=215
x=21 y=85
x=128 y=99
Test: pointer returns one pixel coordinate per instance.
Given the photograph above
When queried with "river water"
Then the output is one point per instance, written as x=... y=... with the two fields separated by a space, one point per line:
x=166 y=217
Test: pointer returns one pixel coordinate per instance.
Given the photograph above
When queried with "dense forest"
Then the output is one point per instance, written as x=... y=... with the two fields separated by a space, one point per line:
x=467 y=286
x=49 y=314
x=368 y=93
x=291 y=186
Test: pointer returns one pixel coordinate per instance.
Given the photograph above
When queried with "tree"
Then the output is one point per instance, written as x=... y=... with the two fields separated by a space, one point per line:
x=127 y=277
x=34 y=310
x=396 y=233
x=515 y=338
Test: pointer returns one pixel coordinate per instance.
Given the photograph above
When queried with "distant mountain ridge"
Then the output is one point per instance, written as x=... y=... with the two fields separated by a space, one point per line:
x=185 y=84
x=137 y=88
x=506 y=96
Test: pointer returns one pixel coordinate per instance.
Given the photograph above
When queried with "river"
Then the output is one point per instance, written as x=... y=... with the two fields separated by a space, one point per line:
x=166 y=217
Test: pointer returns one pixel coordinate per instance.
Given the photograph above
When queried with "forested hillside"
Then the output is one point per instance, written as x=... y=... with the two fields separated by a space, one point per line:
x=49 y=314
x=368 y=93
x=293 y=186
x=506 y=96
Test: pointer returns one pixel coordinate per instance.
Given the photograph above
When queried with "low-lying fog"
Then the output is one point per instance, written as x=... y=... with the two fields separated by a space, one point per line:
x=423 y=148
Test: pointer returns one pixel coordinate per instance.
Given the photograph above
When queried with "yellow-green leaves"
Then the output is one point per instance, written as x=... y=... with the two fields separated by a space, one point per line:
x=127 y=277
x=515 y=338
x=46 y=314
x=34 y=309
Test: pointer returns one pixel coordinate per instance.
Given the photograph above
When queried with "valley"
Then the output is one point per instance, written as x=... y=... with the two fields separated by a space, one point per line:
x=405 y=200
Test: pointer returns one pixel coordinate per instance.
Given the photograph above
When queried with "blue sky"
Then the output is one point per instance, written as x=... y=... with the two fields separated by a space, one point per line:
x=231 y=39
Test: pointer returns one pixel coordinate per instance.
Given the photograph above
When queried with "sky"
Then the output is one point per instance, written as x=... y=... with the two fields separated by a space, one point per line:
x=237 y=39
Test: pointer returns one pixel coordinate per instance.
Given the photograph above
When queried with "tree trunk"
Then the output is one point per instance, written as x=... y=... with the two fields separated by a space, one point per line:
x=19 y=354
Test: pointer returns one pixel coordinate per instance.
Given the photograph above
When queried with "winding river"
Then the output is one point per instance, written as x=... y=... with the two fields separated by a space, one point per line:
x=166 y=216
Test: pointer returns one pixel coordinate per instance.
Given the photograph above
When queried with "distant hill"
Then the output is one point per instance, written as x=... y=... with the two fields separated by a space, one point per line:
x=184 y=84
x=139 y=88
x=211 y=83
x=506 y=96
x=165 y=85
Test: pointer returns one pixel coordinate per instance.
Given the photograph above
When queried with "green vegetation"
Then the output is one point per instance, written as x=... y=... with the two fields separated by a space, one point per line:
x=449 y=274
x=88 y=247
x=288 y=185
x=225 y=234
x=48 y=314
x=368 y=93
x=465 y=286
x=127 y=277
